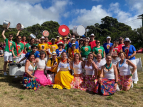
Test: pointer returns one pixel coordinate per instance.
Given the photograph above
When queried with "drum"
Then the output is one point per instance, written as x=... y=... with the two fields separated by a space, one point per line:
x=63 y=30
x=32 y=35
x=6 y=24
x=19 y=26
x=15 y=60
x=79 y=30
x=45 y=33
x=16 y=69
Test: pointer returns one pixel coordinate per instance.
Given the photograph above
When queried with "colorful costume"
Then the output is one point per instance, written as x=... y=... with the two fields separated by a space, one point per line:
x=40 y=73
x=63 y=78
x=78 y=76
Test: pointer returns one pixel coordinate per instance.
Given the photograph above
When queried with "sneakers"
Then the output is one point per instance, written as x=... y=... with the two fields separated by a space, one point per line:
x=135 y=82
x=5 y=73
x=117 y=88
x=132 y=85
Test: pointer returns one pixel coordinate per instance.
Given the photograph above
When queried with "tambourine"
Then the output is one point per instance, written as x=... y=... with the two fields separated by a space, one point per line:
x=6 y=24
x=63 y=30
x=79 y=30
x=19 y=26
x=45 y=33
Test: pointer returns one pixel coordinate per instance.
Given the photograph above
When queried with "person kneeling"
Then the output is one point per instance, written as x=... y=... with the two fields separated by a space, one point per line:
x=63 y=78
x=108 y=84
x=125 y=75
x=29 y=80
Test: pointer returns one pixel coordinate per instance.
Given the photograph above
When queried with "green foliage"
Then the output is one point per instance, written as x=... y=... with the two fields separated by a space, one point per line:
x=109 y=27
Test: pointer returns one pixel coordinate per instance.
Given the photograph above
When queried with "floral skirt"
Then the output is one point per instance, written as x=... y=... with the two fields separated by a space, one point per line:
x=42 y=78
x=30 y=83
x=88 y=84
x=125 y=81
x=63 y=79
x=107 y=87
x=76 y=83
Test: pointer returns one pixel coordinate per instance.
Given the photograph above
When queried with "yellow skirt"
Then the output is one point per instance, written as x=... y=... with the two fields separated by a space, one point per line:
x=63 y=79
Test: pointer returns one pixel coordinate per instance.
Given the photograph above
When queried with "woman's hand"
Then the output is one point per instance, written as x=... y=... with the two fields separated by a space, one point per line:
x=100 y=80
x=115 y=85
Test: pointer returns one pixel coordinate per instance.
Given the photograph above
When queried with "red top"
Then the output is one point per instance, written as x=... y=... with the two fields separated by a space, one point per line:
x=49 y=43
x=116 y=49
x=92 y=44
x=121 y=45
x=24 y=44
x=59 y=41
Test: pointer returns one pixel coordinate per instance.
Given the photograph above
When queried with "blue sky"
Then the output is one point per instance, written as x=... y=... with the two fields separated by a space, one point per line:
x=70 y=12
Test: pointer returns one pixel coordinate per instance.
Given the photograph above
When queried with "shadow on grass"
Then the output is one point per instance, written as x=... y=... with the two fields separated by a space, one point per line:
x=15 y=82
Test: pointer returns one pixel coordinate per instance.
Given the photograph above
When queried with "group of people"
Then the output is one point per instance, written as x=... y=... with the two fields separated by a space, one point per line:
x=70 y=62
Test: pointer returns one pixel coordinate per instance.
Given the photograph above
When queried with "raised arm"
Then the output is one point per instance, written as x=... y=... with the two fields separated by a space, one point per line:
x=3 y=34
x=18 y=33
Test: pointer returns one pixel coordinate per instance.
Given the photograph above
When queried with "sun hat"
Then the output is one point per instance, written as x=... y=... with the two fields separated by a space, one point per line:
x=60 y=43
x=54 y=53
x=108 y=37
x=127 y=39
x=53 y=39
x=73 y=44
x=92 y=34
x=42 y=37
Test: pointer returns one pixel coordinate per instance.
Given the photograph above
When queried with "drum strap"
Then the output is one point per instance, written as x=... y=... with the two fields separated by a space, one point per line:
x=17 y=49
x=9 y=45
x=127 y=52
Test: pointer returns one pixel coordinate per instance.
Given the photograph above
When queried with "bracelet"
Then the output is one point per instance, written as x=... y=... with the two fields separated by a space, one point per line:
x=131 y=74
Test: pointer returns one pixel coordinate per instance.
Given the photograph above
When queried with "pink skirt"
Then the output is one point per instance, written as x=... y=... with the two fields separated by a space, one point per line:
x=42 y=78
x=76 y=83
x=88 y=84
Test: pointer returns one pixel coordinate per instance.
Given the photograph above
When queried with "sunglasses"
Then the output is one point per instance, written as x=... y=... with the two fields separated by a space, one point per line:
x=19 y=38
x=10 y=36
x=98 y=42
x=73 y=45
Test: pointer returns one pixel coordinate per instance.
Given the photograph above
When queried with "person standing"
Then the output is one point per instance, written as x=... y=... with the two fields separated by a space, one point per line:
x=85 y=50
x=92 y=42
x=28 y=45
x=7 y=50
x=98 y=49
x=121 y=42
x=72 y=51
x=114 y=51
x=18 y=48
x=130 y=52
x=107 y=45
x=60 y=50
x=52 y=48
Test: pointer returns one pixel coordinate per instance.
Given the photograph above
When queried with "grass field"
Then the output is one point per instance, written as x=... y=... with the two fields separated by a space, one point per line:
x=12 y=94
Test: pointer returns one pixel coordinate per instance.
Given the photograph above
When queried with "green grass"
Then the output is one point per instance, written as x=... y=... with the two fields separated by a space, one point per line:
x=13 y=95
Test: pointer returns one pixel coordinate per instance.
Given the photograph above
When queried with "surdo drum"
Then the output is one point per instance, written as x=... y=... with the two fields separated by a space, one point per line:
x=63 y=30
x=79 y=30
x=6 y=24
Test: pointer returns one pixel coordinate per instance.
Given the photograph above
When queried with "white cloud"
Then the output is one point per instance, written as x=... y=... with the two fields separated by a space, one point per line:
x=28 y=14
x=89 y=17
x=124 y=17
